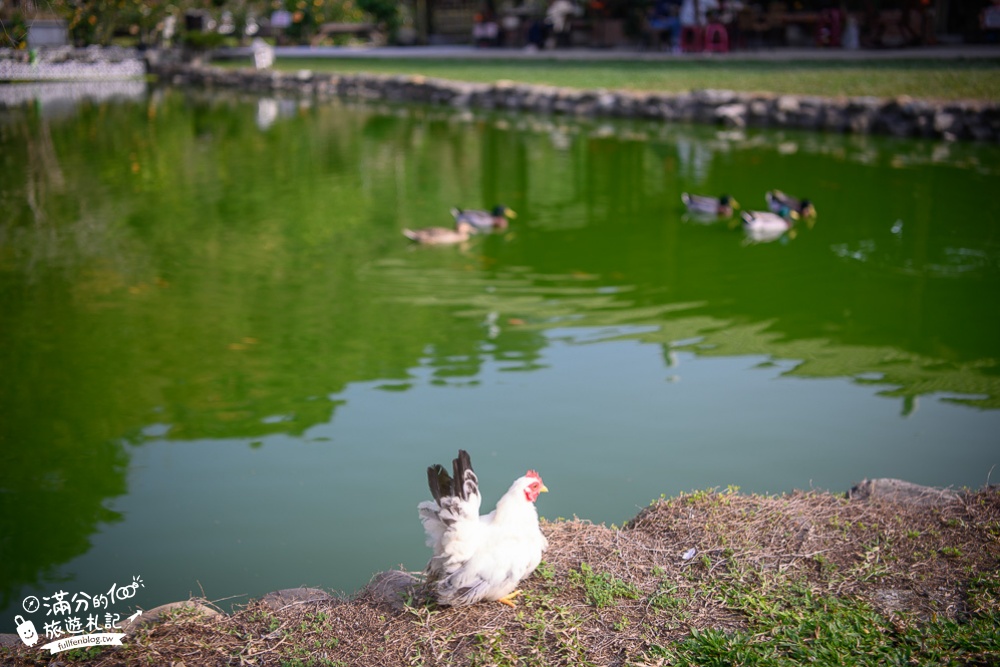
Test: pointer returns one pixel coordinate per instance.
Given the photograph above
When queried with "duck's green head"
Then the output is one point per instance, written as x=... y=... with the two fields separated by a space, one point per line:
x=726 y=200
x=501 y=211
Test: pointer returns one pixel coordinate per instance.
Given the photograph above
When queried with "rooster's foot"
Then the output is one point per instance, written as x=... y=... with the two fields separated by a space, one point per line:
x=509 y=599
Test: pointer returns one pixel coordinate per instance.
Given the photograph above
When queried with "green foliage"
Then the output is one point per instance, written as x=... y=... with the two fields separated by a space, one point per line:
x=490 y=650
x=385 y=12
x=312 y=639
x=310 y=662
x=665 y=599
x=795 y=626
x=545 y=571
x=601 y=588
x=98 y=21
x=81 y=654
x=202 y=41
x=553 y=632
x=308 y=16
x=13 y=32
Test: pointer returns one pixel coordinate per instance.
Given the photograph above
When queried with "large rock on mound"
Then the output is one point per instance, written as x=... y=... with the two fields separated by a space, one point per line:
x=278 y=600
x=900 y=491
x=393 y=588
x=161 y=613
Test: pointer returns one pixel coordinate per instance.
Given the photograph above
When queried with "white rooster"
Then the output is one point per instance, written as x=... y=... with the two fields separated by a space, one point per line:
x=479 y=557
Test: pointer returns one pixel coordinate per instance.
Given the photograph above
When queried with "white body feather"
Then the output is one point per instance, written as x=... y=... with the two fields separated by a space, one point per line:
x=765 y=222
x=481 y=557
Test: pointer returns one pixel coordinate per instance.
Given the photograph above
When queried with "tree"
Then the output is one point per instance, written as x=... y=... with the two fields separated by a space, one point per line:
x=384 y=12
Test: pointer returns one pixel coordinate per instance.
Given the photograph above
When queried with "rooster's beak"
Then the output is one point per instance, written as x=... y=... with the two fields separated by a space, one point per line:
x=544 y=489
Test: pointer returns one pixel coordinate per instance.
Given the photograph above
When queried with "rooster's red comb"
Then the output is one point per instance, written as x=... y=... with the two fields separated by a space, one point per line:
x=532 y=473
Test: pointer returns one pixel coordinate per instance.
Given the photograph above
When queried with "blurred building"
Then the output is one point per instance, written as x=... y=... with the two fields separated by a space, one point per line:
x=921 y=21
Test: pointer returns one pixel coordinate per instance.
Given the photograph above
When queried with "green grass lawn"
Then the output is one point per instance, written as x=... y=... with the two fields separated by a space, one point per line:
x=925 y=79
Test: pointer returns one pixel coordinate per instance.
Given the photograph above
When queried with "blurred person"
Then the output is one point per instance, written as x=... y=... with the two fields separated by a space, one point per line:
x=559 y=17
x=485 y=30
x=690 y=15
x=664 y=17
x=989 y=22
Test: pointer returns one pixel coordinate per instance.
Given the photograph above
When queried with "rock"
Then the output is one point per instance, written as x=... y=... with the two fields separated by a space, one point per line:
x=890 y=601
x=788 y=104
x=810 y=114
x=759 y=110
x=732 y=115
x=902 y=117
x=392 y=588
x=946 y=122
x=284 y=598
x=714 y=97
x=156 y=614
x=981 y=132
x=902 y=492
x=607 y=104
x=834 y=119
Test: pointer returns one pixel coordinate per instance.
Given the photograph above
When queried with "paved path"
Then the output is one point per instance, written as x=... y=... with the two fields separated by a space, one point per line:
x=786 y=54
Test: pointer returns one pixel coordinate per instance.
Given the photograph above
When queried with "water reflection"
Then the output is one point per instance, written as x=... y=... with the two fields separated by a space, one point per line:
x=581 y=188
x=63 y=99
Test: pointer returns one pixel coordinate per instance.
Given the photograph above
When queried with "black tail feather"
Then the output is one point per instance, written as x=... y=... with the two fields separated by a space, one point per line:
x=439 y=481
x=463 y=484
x=462 y=467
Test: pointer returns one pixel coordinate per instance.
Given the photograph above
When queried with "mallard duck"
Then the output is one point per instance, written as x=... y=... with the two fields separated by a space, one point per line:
x=721 y=207
x=763 y=226
x=776 y=199
x=484 y=221
x=440 y=235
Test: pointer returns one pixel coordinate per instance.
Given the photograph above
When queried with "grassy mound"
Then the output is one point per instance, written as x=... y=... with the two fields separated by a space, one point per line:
x=709 y=578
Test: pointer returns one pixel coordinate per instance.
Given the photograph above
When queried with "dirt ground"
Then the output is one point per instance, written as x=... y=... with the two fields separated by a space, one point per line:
x=709 y=561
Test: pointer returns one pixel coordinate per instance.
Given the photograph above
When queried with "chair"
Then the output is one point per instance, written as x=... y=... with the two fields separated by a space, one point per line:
x=828 y=29
x=716 y=38
x=692 y=39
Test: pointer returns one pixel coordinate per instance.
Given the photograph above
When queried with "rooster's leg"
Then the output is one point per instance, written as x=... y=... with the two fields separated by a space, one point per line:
x=509 y=599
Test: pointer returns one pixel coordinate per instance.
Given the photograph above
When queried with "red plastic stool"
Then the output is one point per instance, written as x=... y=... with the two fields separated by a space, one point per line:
x=691 y=39
x=828 y=28
x=716 y=38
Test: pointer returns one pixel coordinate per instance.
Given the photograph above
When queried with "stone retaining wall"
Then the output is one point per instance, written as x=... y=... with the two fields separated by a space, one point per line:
x=69 y=64
x=901 y=117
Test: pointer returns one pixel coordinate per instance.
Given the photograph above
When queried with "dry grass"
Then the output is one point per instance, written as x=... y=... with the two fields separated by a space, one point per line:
x=608 y=596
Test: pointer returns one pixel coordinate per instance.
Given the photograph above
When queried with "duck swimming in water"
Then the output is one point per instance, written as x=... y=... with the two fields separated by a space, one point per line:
x=721 y=207
x=702 y=205
x=484 y=221
x=776 y=200
x=440 y=235
x=762 y=226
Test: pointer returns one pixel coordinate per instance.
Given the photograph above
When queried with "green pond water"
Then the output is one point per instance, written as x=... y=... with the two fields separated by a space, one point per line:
x=224 y=370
